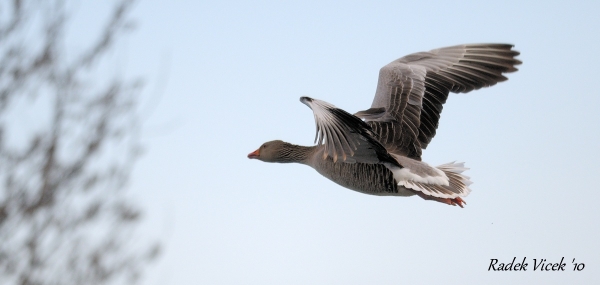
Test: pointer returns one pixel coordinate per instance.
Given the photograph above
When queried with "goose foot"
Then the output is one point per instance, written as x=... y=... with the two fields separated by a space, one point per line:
x=458 y=201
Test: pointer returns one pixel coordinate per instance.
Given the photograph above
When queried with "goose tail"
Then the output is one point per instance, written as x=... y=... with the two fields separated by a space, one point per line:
x=458 y=183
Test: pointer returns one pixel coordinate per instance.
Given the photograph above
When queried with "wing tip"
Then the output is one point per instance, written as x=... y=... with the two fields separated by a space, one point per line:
x=305 y=99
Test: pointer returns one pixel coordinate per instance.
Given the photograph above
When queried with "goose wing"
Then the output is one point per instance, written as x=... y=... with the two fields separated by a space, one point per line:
x=345 y=137
x=412 y=90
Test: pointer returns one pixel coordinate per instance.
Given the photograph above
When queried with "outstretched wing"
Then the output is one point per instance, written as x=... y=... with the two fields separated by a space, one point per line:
x=411 y=91
x=345 y=136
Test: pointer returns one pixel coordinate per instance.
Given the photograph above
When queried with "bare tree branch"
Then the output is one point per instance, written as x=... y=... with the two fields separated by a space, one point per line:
x=64 y=218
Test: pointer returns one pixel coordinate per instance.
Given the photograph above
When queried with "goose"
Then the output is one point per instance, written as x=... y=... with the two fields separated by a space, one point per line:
x=378 y=151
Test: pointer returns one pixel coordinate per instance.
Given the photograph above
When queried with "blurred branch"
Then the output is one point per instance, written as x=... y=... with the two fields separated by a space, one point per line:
x=64 y=218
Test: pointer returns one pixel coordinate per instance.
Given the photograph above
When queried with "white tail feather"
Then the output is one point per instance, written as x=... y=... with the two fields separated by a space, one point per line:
x=458 y=184
x=460 y=181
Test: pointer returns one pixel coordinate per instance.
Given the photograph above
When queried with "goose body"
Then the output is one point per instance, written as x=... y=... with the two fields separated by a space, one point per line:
x=368 y=178
x=378 y=151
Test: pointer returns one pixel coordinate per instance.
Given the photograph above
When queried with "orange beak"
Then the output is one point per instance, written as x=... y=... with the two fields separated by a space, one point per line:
x=254 y=154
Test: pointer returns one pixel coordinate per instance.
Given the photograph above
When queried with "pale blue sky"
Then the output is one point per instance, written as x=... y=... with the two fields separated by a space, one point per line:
x=225 y=76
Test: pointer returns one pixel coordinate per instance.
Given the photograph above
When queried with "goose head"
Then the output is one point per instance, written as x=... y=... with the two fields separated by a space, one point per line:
x=279 y=151
x=272 y=151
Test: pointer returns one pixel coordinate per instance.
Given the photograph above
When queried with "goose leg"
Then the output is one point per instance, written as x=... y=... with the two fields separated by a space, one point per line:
x=453 y=202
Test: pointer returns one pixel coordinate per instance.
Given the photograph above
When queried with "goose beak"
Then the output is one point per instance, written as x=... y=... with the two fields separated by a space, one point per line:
x=254 y=154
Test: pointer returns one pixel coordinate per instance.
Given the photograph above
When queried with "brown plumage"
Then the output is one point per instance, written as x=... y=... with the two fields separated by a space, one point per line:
x=382 y=155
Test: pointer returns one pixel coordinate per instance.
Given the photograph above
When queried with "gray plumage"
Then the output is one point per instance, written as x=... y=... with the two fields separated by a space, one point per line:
x=382 y=154
x=412 y=90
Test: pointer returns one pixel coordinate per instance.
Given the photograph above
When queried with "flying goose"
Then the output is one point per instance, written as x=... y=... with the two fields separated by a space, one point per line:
x=382 y=154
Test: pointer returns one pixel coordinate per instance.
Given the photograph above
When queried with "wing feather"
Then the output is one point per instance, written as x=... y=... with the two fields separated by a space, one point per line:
x=345 y=136
x=413 y=89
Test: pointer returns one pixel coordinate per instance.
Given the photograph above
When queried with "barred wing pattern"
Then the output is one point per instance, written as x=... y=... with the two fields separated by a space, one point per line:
x=411 y=91
x=346 y=137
